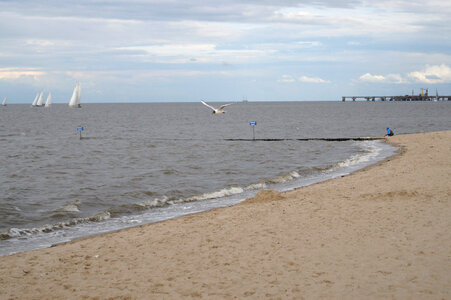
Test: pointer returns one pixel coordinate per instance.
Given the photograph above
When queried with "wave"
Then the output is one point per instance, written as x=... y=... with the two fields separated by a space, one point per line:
x=256 y=186
x=136 y=208
x=370 y=151
x=16 y=232
x=140 y=206
x=284 y=178
x=218 y=194
x=71 y=207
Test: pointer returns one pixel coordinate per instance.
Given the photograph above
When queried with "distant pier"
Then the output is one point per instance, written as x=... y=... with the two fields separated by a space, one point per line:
x=397 y=98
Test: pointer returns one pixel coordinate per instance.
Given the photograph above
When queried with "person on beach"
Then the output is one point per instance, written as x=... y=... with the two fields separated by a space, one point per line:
x=389 y=132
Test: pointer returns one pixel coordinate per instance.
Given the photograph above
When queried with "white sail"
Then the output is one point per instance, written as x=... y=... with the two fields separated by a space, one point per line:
x=76 y=97
x=48 y=102
x=40 y=99
x=73 y=99
x=79 y=95
x=35 y=100
x=4 y=101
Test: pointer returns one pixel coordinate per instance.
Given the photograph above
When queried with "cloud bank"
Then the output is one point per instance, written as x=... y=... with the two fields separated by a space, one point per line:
x=173 y=49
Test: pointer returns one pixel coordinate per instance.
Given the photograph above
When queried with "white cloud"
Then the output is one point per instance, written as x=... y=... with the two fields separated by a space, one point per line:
x=372 y=78
x=390 y=78
x=42 y=43
x=16 y=73
x=362 y=20
x=286 y=79
x=396 y=78
x=200 y=53
x=312 y=79
x=309 y=44
x=174 y=49
x=432 y=74
x=290 y=79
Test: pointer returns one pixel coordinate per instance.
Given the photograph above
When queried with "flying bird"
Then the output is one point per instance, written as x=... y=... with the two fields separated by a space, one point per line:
x=219 y=110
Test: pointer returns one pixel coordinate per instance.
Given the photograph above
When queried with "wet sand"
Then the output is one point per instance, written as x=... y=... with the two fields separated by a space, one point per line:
x=383 y=232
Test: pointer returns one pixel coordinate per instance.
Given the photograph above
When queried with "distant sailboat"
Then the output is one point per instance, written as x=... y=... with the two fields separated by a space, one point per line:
x=76 y=97
x=40 y=101
x=35 y=101
x=436 y=95
x=48 y=102
x=4 y=101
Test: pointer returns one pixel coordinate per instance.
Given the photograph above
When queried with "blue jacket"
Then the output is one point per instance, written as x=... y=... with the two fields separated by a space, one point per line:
x=389 y=132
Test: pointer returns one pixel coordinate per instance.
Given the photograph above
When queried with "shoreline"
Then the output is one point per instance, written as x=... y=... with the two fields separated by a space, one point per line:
x=372 y=155
x=378 y=232
x=382 y=139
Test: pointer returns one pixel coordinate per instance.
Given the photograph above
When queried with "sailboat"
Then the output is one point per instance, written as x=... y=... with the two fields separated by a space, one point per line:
x=4 y=101
x=40 y=100
x=76 y=97
x=48 y=102
x=35 y=101
x=436 y=95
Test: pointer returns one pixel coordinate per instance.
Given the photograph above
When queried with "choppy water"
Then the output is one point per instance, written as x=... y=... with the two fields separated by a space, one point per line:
x=141 y=163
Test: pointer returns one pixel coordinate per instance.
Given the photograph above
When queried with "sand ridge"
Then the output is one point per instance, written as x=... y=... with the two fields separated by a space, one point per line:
x=378 y=233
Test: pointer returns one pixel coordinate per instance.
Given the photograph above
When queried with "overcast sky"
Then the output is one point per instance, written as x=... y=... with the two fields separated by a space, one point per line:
x=187 y=50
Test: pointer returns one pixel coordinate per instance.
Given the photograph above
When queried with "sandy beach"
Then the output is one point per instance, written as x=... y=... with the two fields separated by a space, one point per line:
x=380 y=233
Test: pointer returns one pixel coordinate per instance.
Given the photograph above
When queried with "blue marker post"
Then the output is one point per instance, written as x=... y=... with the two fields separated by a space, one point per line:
x=253 y=124
x=80 y=129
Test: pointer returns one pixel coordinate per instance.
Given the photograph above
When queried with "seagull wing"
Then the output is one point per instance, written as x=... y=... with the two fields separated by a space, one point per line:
x=223 y=106
x=207 y=105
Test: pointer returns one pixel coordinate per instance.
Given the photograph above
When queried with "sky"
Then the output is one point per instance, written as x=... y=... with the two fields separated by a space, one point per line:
x=220 y=51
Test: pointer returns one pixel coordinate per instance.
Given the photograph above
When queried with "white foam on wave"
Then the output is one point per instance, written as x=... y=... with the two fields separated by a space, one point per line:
x=256 y=186
x=71 y=207
x=218 y=194
x=157 y=202
x=371 y=152
x=12 y=232
x=284 y=178
x=165 y=201
x=16 y=232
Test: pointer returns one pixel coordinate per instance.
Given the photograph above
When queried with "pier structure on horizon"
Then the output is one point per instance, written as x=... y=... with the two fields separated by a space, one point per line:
x=398 y=98
x=423 y=96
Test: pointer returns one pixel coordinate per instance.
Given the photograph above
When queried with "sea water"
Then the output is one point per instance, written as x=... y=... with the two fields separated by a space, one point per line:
x=143 y=163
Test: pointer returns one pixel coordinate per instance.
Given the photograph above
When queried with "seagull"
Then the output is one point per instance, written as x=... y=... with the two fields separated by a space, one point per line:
x=219 y=110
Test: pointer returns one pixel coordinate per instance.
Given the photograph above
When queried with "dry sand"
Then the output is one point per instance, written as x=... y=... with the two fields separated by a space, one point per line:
x=383 y=232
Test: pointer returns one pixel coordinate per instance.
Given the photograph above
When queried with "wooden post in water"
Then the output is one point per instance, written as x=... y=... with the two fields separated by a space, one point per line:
x=253 y=123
